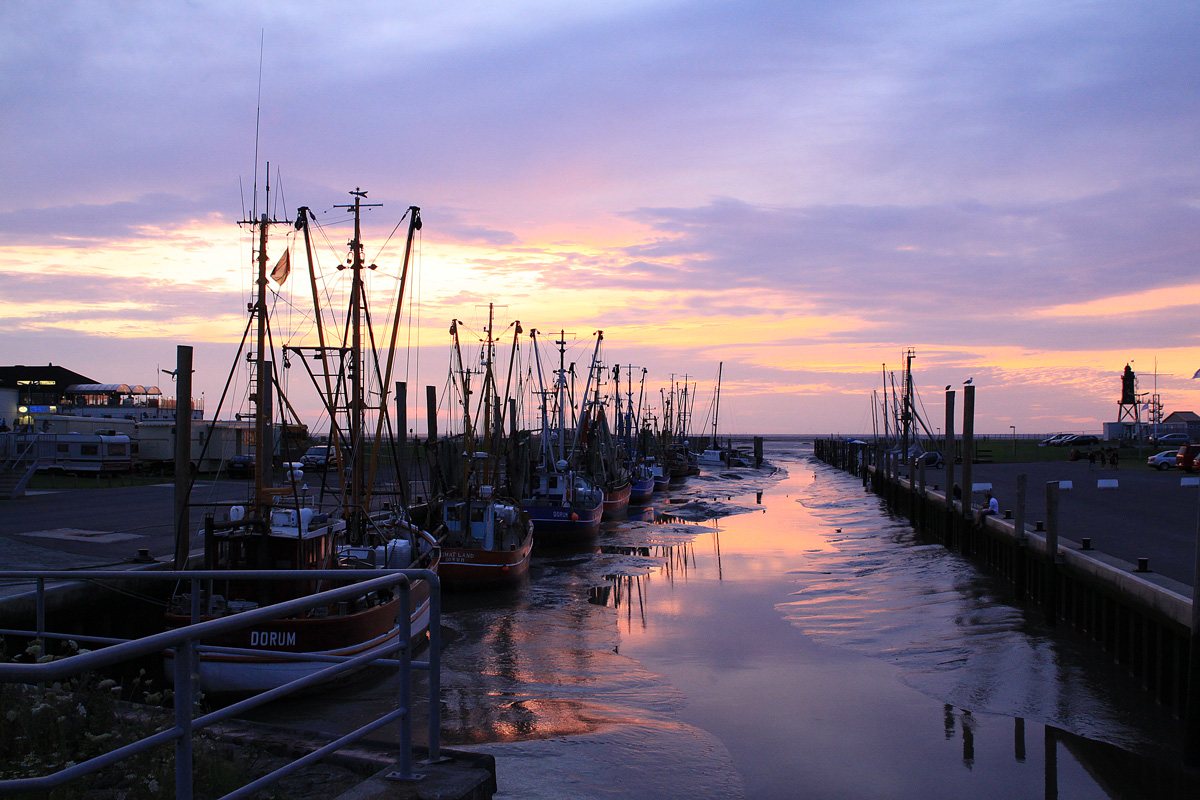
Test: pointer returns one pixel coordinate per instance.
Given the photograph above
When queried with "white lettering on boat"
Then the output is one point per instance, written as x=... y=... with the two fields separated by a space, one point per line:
x=272 y=638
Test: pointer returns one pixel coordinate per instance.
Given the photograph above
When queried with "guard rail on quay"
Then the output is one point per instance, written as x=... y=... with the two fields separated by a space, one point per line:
x=185 y=643
x=1142 y=620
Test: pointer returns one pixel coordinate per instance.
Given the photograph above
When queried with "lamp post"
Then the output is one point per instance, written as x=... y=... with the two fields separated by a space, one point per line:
x=1014 y=430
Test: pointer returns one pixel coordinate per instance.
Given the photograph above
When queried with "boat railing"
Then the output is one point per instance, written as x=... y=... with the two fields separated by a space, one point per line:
x=184 y=643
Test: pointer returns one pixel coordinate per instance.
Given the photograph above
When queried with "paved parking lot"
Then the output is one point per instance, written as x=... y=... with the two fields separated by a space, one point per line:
x=1148 y=515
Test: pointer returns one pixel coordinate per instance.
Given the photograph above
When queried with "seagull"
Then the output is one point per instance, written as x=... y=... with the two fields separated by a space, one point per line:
x=947 y=387
x=967 y=382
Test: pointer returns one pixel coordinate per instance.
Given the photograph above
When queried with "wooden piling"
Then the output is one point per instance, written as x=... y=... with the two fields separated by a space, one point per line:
x=1050 y=598
x=1021 y=557
x=402 y=468
x=948 y=537
x=968 y=458
x=431 y=411
x=183 y=452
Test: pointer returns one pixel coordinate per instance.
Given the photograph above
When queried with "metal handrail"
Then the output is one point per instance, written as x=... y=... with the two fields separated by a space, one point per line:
x=13 y=441
x=184 y=641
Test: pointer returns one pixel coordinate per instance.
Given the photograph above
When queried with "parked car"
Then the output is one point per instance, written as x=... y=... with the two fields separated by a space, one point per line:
x=317 y=457
x=1185 y=457
x=1081 y=440
x=1051 y=440
x=932 y=458
x=1171 y=439
x=1163 y=460
x=240 y=466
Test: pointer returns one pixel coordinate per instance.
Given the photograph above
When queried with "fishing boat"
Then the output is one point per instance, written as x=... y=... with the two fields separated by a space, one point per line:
x=632 y=437
x=285 y=527
x=641 y=489
x=563 y=503
x=486 y=538
x=660 y=475
x=601 y=456
x=713 y=454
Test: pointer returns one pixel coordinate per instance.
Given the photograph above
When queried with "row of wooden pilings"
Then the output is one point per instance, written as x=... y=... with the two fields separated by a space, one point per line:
x=1149 y=630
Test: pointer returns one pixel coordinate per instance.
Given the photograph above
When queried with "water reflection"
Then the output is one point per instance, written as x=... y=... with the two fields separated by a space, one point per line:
x=813 y=648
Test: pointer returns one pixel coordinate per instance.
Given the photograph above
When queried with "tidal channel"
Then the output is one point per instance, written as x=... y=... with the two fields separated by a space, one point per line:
x=774 y=633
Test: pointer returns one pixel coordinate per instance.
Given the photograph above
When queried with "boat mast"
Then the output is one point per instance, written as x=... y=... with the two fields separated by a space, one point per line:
x=544 y=445
x=561 y=392
x=263 y=368
x=262 y=397
x=355 y=512
x=465 y=388
x=717 y=404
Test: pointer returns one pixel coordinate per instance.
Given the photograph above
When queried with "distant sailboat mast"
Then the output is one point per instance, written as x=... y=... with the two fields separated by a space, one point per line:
x=717 y=405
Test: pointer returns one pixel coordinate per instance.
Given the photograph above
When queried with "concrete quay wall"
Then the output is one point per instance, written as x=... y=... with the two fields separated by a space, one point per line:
x=1141 y=619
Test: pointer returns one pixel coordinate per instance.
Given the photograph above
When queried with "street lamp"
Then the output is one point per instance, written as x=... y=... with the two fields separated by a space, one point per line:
x=1014 y=430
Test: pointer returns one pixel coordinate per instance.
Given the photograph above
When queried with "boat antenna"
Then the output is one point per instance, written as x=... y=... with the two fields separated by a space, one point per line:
x=258 y=120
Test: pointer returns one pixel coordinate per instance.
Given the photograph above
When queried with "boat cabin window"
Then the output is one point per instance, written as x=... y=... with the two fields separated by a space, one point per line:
x=116 y=449
x=89 y=449
x=553 y=482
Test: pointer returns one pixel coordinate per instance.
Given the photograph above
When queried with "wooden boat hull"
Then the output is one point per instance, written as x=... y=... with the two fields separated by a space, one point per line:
x=334 y=635
x=616 y=500
x=476 y=568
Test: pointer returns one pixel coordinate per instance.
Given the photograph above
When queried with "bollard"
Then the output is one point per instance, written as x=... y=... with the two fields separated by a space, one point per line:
x=1086 y=543
x=1008 y=513
x=1039 y=526
x=1143 y=565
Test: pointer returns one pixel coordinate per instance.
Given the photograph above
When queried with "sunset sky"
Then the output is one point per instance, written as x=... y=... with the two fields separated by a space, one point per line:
x=799 y=190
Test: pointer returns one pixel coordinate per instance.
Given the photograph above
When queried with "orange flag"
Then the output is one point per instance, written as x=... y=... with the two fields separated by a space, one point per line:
x=283 y=268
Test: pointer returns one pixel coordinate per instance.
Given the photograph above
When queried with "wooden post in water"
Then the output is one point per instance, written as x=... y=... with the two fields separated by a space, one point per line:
x=183 y=452
x=922 y=499
x=912 y=487
x=949 y=458
x=431 y=411
x=758 y=451
x=1050 y=754
x=1022 y=537
x=968 y=458
x=1050 y=600
x=402 y=469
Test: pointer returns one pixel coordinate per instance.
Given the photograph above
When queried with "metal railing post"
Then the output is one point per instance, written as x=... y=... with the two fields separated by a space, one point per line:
x=185 y=701
x=404 y=700
x=186 y=649
x=41 y=615
x=435 y=669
